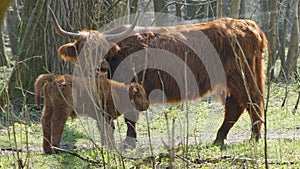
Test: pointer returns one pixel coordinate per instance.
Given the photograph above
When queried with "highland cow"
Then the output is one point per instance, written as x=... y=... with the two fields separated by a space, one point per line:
x=240 y=46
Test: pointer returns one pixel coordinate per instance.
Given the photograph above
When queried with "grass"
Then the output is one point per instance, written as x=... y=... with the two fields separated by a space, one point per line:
x=21 y=139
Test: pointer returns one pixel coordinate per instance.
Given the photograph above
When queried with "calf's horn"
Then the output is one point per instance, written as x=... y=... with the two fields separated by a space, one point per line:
x=59 y=30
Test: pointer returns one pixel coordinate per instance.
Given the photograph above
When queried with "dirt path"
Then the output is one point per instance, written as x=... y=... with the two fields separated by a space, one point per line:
x=234 y=137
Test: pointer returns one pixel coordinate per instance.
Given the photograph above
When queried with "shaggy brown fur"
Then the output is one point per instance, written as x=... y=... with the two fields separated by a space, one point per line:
x=59 y=103
x=240 y=45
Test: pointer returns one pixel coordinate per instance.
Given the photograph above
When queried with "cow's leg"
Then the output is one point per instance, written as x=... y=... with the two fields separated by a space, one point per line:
x=233 y=110
x=130 y=120
x=256 y=112
x=46 y=127
x=59 y=120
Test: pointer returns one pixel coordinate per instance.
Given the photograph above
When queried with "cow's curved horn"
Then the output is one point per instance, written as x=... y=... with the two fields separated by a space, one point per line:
x=59 y=30
x=119 y=36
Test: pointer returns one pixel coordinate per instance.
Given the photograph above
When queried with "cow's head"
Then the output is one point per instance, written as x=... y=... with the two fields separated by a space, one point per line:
x=101 y=41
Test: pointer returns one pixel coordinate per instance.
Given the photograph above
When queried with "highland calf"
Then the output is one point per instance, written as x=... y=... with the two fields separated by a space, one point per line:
x=229 y=48
x=61 y=98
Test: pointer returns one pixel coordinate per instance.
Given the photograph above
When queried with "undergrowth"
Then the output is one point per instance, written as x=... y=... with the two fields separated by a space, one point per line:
x=180 y=135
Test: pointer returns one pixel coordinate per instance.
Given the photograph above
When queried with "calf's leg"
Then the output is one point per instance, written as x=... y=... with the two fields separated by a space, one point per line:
x=58 y=122
x=46 y=127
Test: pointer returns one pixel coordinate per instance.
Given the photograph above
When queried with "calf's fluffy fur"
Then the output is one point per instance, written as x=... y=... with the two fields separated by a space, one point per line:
x=60 y=97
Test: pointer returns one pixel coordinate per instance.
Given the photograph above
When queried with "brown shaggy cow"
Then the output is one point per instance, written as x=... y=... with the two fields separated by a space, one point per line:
x=239 y=45
x=59 y=104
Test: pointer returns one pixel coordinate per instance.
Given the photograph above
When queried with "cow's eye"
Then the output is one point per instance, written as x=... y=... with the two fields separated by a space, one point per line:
x=97 y=69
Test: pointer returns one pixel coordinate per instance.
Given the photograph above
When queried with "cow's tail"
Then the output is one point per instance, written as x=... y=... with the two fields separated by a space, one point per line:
x=260 y=64
x=38 y=86
x=260 y=71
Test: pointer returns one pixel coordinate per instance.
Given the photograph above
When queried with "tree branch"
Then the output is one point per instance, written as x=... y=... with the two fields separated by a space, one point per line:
x=96 y=163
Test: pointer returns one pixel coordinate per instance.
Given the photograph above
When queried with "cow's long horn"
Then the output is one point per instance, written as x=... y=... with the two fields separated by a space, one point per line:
x=59 y=30
x=119 y=36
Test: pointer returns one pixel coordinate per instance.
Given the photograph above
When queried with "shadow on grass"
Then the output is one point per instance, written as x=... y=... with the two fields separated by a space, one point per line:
x=70 y=137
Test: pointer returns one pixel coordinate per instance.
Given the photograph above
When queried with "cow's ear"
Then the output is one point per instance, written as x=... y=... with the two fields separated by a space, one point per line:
x=68 y=52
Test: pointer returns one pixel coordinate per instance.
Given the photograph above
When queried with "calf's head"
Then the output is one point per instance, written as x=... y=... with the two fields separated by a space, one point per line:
x=138 y=97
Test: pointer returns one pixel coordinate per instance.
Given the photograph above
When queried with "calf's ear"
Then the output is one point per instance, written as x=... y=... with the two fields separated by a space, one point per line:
x=134 y=88
x=68 y=52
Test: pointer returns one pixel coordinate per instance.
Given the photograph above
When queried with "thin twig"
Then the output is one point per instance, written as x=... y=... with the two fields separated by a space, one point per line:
x=109 y=8
x=11 y=149
x=297 y=103
x=96 y=163
x=286 y=88
x=266 y=109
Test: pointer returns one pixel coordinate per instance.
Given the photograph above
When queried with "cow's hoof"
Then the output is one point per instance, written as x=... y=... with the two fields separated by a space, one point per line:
x=49 y=151
x=129 y=143
x=218 y=142
x=255 y=137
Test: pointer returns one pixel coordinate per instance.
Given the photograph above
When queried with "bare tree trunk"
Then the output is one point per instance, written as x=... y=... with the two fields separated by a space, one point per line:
x=242 y=9
x=3 y=55
x=3 y=7
x=108 y=10
x=160 y=6
x=219 y=11
x=39 y=43
x=12 y=22
x=133 y=6
x=293 y=51
x=273 y=31
x=235 y=8
x=281 y=52
x=264 y=15
x=30 y=56
x=160 y=9
x=178 y=9
x=191 y=9
x=206 y=10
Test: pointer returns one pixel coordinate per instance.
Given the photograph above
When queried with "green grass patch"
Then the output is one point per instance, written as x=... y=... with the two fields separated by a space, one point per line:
x=192 y=126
